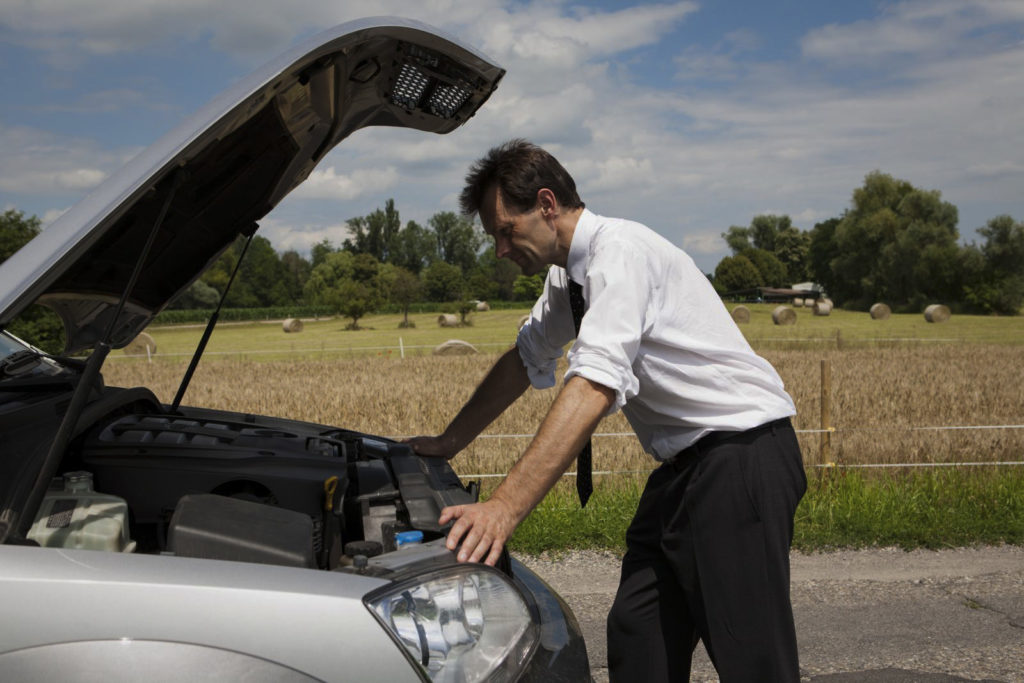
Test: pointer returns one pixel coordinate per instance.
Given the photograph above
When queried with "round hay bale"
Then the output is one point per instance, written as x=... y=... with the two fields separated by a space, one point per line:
x=936 y=313
x=798 y=303
x=822 y=307
x=454 y=347
x=522 y=321
x=142 y=345
x=741 y=314
x=292 y=325
x=880 y=311
x=482 y=306
x=783 y=315
x=448 y=320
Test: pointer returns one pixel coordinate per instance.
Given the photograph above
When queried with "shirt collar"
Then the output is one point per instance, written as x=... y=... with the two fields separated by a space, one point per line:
x=579 y=249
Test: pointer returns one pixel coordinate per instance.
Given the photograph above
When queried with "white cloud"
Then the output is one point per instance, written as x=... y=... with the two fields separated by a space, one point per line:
x=301 y=238
x=917 y=28
x=40 y=163
x=930 y=91
x=706 y=242
x=328 y=184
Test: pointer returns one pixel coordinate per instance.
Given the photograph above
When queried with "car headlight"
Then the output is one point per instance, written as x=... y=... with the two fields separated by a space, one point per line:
x=466 y=623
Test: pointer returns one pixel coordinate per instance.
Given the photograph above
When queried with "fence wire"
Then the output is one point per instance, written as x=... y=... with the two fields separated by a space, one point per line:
x=828 y=465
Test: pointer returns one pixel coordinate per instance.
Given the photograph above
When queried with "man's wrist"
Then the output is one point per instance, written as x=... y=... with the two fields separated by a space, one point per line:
x=513 y=509
x=452 y=442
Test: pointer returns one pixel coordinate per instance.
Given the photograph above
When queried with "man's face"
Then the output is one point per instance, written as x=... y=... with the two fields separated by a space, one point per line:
x=525 y=238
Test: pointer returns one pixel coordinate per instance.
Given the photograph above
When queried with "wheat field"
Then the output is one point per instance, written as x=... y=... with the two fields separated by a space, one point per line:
x=882 y=400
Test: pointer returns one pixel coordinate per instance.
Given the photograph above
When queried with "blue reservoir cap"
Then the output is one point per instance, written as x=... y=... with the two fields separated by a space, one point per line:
x=407 y=537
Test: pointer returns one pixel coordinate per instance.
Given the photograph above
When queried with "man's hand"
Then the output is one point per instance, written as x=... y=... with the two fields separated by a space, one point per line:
x=433 y=446
x=483 y=529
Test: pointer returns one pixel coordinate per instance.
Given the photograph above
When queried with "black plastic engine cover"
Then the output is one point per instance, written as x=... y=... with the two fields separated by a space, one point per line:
x=153 y=460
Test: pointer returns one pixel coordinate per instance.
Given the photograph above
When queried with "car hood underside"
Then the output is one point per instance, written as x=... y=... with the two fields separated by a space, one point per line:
x=167 y=215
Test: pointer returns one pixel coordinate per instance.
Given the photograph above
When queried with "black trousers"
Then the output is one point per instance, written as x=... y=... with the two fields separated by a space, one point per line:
x=707 y=557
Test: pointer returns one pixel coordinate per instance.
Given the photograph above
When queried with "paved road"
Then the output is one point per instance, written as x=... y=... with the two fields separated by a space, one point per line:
x=881 y=615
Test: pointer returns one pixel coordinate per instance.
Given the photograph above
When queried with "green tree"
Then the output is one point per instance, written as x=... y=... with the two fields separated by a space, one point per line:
x=792 y=249
x=406 y=289
x=766 y=228
x=414 y=247
x=502 y=272
x=994 y=274
x=458 y=239
x=443 y=282
x=735 y=273
x=262 y=279
x=319 y=252
x=896 y=244
x=296 y=270
x=346 y=283
x=738 y=239
x=354 y=299
x=197 y=295
x=773 y=273
x=821 y=251
x=375 y=234
x=16 y=230
x=481 y=287
x=528 y=287
x=37 y=324
x=777 y=236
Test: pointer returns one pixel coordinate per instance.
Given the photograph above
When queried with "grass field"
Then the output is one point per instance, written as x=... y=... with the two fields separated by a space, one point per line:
x=893 y=384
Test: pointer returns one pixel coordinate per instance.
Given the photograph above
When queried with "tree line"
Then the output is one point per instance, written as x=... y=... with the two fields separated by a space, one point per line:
x=896 y=244
x=382 y=263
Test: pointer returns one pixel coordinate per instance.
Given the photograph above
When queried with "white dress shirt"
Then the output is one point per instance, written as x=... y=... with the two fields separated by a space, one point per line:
x=656 y=332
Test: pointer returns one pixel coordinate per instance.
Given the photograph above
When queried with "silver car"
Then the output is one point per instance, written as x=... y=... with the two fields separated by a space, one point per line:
x=150 y=541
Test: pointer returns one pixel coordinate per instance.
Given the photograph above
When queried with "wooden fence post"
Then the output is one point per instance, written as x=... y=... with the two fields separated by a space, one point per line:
x=825 y=455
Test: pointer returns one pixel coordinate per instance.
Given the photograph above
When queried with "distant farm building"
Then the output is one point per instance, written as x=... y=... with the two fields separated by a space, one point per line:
x=805 y=292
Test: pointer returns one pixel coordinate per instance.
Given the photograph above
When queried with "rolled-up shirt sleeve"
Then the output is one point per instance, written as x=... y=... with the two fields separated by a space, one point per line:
x=546 y=332
x=618 y=290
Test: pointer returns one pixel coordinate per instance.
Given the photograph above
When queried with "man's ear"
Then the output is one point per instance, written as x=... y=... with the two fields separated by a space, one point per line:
x=547 y=202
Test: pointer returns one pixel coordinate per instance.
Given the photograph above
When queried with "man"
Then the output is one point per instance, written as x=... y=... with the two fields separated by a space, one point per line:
x=708 y=550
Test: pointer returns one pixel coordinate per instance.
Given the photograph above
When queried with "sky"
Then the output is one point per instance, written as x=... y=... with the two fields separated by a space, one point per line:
x=688 y=116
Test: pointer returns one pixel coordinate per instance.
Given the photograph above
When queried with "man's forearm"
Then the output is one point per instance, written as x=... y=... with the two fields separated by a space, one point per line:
x=571 y=420
x=482 y=529
x=506 y=381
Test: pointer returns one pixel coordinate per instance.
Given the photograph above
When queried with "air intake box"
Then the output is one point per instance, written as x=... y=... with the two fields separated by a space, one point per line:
x=220 y=528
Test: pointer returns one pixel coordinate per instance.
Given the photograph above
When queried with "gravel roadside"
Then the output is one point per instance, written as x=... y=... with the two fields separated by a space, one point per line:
x=880 y=614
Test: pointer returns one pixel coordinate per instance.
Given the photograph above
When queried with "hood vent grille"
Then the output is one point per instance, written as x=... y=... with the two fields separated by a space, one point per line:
x=447 y=100
x=429 y=84
x=409 y=87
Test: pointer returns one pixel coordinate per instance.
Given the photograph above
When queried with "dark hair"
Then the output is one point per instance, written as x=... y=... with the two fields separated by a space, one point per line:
x=520 y=169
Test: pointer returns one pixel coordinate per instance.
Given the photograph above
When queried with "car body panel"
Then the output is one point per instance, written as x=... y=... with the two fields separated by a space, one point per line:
x=264 y=611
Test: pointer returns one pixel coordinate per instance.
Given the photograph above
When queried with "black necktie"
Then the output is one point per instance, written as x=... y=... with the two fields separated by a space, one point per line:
x=584 y=466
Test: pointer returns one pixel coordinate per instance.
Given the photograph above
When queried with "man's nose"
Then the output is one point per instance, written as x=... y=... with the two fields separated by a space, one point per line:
x=501 y=247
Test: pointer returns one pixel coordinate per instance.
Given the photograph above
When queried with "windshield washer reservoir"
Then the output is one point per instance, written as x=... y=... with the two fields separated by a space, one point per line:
x=77 y=517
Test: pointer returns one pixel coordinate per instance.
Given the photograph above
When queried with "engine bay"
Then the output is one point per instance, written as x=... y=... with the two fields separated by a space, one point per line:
x=218 y=485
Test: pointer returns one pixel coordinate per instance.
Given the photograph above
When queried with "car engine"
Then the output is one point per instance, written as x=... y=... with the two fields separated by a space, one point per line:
x=218 y=485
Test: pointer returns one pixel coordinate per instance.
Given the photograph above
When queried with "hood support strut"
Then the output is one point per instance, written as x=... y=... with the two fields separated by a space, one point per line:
x=209 y=327
x=87 y=380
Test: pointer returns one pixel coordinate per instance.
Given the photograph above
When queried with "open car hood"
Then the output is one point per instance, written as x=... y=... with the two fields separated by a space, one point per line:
x=211 y=178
